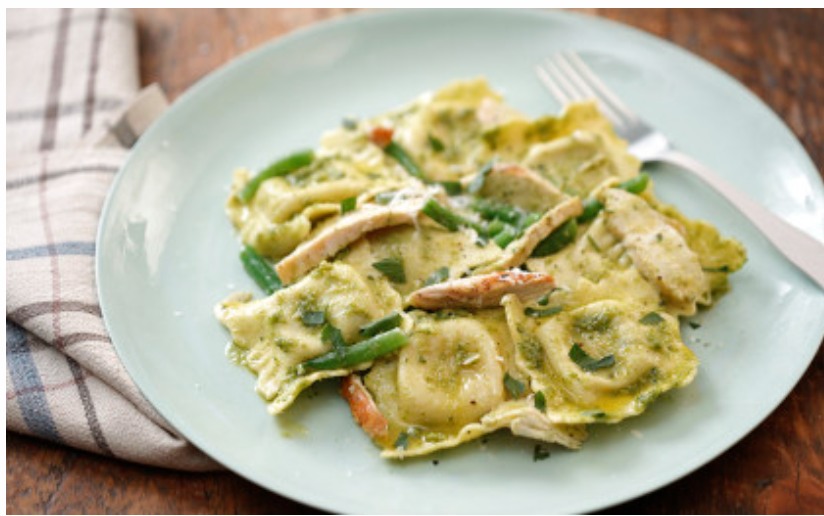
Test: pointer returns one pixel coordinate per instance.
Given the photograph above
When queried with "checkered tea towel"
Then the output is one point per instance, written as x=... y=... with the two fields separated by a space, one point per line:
x=72 y=110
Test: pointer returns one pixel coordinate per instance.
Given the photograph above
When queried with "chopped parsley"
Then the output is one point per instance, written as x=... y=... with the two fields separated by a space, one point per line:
x=586 y=362
x=334 y=337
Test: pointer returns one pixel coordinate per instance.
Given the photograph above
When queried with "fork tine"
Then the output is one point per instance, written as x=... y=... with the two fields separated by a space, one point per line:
x=585 y=89
x=608 y=99
x=562 y=79
x=553 y=88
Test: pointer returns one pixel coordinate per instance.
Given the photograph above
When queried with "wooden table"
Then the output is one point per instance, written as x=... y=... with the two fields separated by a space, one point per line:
x=778 y=468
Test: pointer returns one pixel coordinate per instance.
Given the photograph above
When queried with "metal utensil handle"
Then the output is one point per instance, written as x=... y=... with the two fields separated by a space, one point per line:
x=804 y=251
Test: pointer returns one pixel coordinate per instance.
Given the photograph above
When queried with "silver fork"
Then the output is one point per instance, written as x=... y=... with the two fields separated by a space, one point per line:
x=568 y=78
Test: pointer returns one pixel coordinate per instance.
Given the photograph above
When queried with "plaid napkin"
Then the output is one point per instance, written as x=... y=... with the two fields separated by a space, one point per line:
x=72 y=110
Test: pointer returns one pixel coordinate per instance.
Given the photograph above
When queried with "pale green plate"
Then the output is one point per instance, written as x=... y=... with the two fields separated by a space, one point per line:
x=167 y=254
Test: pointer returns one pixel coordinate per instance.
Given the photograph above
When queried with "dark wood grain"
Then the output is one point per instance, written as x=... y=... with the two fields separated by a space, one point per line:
x=778 y=468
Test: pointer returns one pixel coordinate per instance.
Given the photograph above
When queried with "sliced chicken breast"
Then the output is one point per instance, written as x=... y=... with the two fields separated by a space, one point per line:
x=482 y=291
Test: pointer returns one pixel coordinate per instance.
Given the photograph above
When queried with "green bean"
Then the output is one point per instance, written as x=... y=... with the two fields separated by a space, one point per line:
x=277 y=169
x=505 y=237
x=402 y=157
x=635 y=185
x=557 y=240
x=449 y=219
x=381 y=325
x=260 y=271
x=359 y=353
x=495 y=227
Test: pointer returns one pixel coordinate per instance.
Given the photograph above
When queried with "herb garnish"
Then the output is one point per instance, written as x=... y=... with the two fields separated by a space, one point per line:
x=478 y=181
x=651 y=319
x=541 y=452
x=437 y=277
x=723 y=268
x=436 y=144
x=542 y=312
x=312 y=318
x=402 y=441
x=334 y=337
x=348 y=204
x=514 y=387
x=452 y=188
x=586 y=362
x=540 y=401
x=392 y=268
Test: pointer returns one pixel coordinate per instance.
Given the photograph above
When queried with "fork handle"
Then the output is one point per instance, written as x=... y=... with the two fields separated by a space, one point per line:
x=806 y=252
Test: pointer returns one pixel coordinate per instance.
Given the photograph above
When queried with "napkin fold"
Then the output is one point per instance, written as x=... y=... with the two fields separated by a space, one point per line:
x=73 y=108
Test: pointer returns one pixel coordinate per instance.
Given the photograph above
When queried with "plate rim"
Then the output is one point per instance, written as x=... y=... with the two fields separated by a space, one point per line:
x=191 y=95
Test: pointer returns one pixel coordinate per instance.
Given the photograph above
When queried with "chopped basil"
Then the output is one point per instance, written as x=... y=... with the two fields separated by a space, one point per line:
x=311 y=318
x=540 y=401
x=651 y=319
x=402 y=441
x=586 y=362
x=452 y=188
x=348 y=204
x=381 y=325
x=544 y=300
x=723 y=268
x=542 y=312
x=541 y=452
x=334 y=337
x=437 y=277
x=385 y=197
x=478 y=181
x=593 y=413
x=514 y=387
x=392 y=268
x=436 y=144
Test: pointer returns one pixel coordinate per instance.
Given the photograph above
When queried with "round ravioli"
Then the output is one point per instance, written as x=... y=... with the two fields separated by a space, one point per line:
x=602 y=362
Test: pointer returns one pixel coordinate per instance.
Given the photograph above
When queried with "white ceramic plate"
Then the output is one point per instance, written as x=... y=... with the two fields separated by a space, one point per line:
x=167 y=254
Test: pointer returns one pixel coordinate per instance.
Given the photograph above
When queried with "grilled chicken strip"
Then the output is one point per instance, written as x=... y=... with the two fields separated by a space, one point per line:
x=482 y=291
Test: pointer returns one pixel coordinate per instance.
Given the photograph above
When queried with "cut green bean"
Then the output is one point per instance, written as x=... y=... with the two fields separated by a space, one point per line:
x=449 y=219
x=592 y=207
x=402 y=157
x=260 y=271
x=505 y=237
x=277 y=169
x=359 y=353
x=557 y=240
x=381 y=325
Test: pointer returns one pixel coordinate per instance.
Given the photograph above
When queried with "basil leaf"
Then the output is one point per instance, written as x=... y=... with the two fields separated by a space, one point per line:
x=334 y=337
x=586 y=362
x=436 y=144
x=514 y=387
x=452 y=188
x=311 y=318
x=402 y=441
x=540 y=401
x=541 y=452
x=392 y=268
x=437 y=277
x=723 y=268
x=651 y=319
x=478 y=181
x=545 y=312
x=348 y=204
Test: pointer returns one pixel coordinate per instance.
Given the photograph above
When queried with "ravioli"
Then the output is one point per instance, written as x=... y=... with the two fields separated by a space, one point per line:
x=466 y=269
